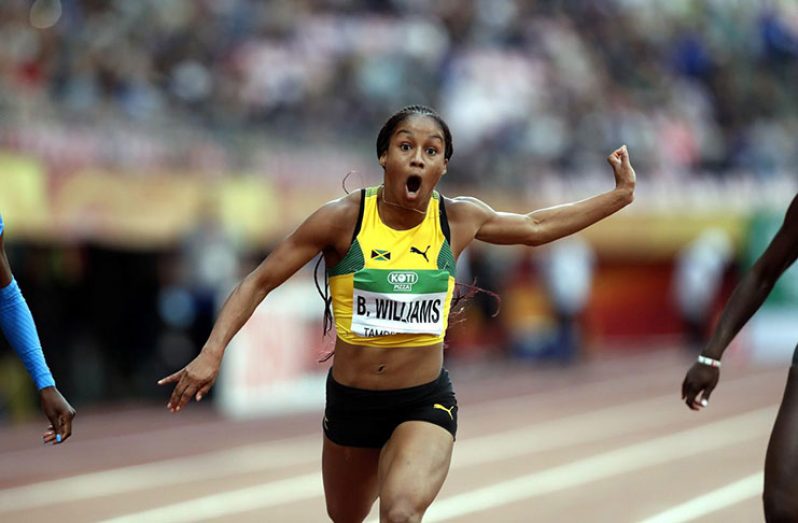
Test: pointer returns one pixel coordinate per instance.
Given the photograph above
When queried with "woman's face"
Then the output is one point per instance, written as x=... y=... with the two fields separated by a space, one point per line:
x=415 y=160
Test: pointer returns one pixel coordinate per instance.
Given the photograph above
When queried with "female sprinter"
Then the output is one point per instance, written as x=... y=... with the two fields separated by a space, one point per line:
x=781 y=463
x=17 y=324
x=391 y=413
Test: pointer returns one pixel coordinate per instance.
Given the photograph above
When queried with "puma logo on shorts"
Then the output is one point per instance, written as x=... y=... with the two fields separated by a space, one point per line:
x=441 y=407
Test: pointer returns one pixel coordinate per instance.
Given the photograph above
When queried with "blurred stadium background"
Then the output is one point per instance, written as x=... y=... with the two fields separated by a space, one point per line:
x=152 y=152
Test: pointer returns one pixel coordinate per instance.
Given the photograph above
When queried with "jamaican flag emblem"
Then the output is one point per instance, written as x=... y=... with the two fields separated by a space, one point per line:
x=380 y=255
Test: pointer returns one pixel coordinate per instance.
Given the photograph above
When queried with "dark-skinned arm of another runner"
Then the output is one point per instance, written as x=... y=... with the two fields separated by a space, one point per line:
x=747 y=297
x=23 y=337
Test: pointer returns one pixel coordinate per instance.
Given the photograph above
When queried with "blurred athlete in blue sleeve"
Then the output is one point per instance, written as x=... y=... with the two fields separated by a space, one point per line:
x=17 y=325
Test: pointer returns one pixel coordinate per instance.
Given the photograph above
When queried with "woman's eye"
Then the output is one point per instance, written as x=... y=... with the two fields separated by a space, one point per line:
x=431 y=151
x=405 y=146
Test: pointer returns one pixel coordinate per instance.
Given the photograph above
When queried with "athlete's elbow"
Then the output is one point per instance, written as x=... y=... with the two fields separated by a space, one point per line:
x=536 y=239
x=536 y=233
x=542 y=232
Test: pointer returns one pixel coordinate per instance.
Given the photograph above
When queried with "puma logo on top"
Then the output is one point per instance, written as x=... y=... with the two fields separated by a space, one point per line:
x=415 y=250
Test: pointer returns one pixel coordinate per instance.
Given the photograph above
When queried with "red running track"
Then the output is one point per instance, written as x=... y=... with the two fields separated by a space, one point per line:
x=605 y=441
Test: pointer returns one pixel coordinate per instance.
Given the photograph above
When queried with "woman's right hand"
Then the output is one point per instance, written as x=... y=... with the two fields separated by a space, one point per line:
x=195 y=379
x=625 y=177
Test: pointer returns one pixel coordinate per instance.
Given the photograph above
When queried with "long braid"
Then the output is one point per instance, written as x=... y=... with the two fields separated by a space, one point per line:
x=325 y=296
x=462 y=299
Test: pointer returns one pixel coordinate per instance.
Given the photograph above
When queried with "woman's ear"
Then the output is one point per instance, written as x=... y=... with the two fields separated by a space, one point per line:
x=445 y=167
x=383 y=159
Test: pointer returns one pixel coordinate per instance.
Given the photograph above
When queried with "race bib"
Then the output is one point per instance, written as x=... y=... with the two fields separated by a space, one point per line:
x=387 y=302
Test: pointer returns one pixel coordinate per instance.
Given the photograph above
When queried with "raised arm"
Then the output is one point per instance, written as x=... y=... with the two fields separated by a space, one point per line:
x=322 y=231
x=546 y=225
x=748 y=296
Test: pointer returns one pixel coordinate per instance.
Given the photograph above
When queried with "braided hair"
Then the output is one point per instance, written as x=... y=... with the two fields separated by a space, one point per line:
x=384 y=138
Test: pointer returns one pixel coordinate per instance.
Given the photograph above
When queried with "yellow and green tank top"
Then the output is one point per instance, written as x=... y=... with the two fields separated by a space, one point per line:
x=394 y=288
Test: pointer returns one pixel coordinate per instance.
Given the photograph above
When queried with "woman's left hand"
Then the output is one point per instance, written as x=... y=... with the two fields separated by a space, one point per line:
x=625 y=178
x=59 y=412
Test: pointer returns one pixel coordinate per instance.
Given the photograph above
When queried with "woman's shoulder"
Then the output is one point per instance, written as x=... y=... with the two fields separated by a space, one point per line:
x=465 y=207
x=343 y=206
x=340 y=213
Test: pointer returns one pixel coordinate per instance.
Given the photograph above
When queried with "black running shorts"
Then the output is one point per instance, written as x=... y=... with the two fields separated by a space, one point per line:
x=367 y=418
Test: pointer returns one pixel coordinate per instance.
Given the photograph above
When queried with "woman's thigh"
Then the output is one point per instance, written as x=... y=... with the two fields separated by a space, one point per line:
x=413 y=466
x=350 y=480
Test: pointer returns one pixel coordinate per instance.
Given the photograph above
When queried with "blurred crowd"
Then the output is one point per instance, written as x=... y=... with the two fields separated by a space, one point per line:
x=535 y=92
x=551 y=85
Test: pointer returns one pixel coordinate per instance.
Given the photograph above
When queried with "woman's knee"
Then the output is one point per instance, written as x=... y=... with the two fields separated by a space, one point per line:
x=401 y=509
x=780 y=506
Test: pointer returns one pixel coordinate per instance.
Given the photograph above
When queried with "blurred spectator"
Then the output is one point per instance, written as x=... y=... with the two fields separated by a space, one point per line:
x=691 y=87
x=536 y=93
x=567 y=271
x=481 y=275
x=697 y=280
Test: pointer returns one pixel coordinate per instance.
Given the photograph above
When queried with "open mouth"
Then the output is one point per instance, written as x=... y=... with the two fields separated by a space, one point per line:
x=413 y=184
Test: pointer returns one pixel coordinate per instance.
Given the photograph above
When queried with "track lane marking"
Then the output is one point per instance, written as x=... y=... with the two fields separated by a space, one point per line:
x=218 y=463
x=608 y=464
x=718 y=499
x=708 y=437
x=683 y=444
x=549 y=435
x=233 y=502
x=176 y=471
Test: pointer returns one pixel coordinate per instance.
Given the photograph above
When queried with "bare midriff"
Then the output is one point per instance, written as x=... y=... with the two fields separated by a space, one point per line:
x=386 y=368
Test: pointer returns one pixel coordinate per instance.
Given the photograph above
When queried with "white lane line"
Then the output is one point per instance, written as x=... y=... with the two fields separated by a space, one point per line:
x=565 y=432
x=721 y=498
x=199 y=424
x=306 y=449
x=708 y=437
x=224 y=463
x=642 y=379
x=581 y=428
x=236 y=501
x=543 y=437
x=504 y=445
x=91 y=441
x=540 y=437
